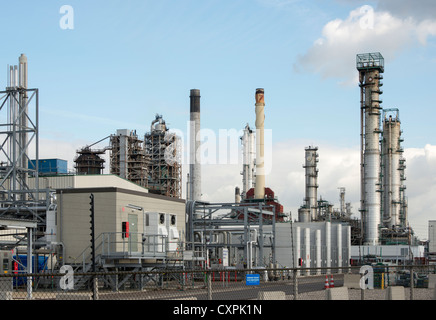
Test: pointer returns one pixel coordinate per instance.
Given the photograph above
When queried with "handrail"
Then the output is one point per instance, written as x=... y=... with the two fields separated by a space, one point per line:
x=82 y=254
x=109 y=243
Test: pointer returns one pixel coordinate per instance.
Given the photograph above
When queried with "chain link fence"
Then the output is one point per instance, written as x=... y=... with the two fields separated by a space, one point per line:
x=353 y=283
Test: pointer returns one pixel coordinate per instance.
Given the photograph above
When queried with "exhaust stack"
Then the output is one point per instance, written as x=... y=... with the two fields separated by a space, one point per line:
x=194 y=155
x=259 y=190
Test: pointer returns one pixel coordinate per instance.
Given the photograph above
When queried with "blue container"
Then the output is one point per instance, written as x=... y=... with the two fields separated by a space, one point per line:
x=49 y=166
x=22 y=267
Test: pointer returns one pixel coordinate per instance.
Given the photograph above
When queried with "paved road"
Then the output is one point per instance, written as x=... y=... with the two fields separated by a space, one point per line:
x=240 y=291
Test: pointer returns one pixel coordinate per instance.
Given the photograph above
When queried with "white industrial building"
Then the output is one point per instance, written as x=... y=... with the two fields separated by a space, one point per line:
x=155 y=223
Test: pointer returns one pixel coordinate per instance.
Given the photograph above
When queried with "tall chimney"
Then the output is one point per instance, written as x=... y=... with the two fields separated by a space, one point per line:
x=259 y=189
x=194 y=154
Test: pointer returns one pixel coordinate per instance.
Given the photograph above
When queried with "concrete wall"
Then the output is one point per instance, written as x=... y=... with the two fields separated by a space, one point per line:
x=393 y=253
x=74 y=219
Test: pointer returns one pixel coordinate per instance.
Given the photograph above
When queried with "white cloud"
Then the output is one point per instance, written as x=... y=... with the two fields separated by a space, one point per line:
x=364 y=30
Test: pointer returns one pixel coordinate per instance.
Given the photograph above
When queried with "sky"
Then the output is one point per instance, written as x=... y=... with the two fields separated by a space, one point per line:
x=107 y=65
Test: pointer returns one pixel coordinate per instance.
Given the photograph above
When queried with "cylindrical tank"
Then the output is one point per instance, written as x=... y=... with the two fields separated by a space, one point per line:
x=304 y=215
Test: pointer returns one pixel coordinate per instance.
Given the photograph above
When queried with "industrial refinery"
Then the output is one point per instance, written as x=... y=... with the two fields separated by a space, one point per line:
x=141 y=222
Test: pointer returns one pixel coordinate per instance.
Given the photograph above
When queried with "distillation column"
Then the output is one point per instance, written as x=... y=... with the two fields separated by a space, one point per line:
x=391 y=156
x=370 y=68
x=248 y=152
x=311 y=199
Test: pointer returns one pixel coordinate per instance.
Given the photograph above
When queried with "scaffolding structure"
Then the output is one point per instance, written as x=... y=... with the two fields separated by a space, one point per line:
x=19 y=109
x=128 y=159
x=162 y=148
x=89 y=161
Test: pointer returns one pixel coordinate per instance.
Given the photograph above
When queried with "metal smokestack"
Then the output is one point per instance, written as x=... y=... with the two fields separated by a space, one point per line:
x=194 y=154
x=259 y=189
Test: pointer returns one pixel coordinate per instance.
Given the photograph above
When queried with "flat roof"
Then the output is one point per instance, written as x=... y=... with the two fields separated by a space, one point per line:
x=15 y=223
x=120 y=190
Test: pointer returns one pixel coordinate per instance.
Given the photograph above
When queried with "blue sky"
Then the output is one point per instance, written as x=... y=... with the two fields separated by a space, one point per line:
x=125 y=61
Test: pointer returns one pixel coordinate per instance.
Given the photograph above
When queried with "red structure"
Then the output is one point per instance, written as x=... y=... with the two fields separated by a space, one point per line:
x=268 y=200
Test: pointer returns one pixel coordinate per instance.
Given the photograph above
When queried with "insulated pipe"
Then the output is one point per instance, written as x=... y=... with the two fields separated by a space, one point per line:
x=195 y=151
x=23 y=121
x=298 y=247
x=328 y=241
x=307 y=248
x=318 y=250
x=259 y=190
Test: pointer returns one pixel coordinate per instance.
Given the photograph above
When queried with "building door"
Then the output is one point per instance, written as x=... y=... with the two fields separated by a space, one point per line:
x=133 y=229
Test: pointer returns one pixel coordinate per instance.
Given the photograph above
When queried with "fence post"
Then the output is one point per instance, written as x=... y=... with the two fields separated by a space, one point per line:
x=411 y=282
x=95 y=288
x=209 y=285
x=295 y=284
